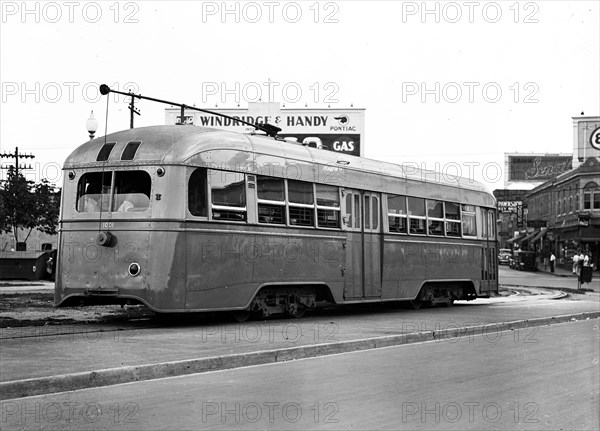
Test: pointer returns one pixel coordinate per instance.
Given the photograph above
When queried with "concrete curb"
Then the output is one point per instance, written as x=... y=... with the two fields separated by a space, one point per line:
x=113 y=376
x=581 y=291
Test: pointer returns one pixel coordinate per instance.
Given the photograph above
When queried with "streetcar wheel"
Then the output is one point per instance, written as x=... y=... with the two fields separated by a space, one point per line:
x=450 y=302
x=240 y=315
x=416 y=304
x=298 y=312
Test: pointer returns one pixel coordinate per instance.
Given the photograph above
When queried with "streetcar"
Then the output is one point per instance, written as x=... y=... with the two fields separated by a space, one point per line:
x=192 y=219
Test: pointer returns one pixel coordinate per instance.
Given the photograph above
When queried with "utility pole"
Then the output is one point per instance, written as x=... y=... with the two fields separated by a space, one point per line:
x=17 y=156
x=133 y=110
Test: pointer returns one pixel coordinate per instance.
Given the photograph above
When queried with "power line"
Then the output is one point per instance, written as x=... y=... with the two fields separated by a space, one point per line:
x=16 y=155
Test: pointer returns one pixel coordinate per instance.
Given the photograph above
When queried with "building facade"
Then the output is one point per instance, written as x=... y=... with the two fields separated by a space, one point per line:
x=566 y=209
x=569 y=207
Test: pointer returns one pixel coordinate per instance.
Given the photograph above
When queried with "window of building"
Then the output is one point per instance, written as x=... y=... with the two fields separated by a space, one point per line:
x=591 y=197
x=270 y=193
x=469 y=224
x=328 y=206
x=228 y=195
x=301 y=203
x=197 y=193
x=397 y=214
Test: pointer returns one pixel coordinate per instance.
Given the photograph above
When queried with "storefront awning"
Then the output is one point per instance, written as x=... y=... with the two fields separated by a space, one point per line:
x=529 y=236
x=516 y=239
x=540 y=234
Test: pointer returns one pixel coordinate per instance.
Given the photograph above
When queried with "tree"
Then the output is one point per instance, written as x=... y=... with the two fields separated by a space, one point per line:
x=26 y=205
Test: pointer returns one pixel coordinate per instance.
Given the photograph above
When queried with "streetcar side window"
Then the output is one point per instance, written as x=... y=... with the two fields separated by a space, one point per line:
x=228 y=195
x=271 y=200
x=375 y=211
x=490 y=220
x=468 y=220
x=301 y=203
x=452 y=215
x=417 y=215
x=197 y=193
x=132 y=191
x=435 y=217
x=93 y=192
x=397 y=215
x=328 y=206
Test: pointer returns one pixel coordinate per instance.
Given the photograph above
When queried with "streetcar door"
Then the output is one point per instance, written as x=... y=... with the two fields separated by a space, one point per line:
x=352 y=223
x=489 y=264
x=362 y=222
x=372 y=245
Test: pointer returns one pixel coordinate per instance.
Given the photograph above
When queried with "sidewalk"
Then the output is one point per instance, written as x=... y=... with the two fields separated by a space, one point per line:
x=568 y=273
x=558 y=272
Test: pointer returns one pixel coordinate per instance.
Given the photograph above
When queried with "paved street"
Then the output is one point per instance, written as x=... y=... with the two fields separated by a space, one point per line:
x=507 y=372
x=560 y=279
x=546 y=380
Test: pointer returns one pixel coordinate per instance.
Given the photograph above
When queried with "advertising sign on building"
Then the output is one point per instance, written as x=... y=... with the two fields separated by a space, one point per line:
x=536 y=168
x=340 y=130
x=509 y=206
x=586 y=139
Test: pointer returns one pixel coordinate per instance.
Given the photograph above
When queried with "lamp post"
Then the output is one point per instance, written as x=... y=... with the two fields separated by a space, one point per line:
x=92 y=125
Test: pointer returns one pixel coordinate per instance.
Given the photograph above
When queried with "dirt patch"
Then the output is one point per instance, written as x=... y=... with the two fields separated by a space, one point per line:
x=36 y=309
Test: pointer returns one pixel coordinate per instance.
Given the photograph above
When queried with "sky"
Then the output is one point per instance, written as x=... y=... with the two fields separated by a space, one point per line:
x=451 y=86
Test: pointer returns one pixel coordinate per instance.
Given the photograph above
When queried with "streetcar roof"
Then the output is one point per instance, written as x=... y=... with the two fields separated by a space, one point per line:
x=253 y=153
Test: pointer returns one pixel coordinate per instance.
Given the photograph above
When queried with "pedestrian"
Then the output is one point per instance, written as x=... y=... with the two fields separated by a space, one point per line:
x=575 y=262
x=552 y=259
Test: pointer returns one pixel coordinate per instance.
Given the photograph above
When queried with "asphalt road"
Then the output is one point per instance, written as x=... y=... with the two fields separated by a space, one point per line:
x=511 y=277
x=102 y=346
x=547 y=380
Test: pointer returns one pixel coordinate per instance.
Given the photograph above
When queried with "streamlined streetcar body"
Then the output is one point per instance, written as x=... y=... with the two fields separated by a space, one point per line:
x=185 y=218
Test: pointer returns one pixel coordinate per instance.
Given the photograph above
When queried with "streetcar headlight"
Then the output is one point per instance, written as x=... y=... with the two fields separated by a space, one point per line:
x=134 y=269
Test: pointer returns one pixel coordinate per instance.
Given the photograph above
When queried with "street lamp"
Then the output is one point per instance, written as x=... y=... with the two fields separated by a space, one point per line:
x=92 y=125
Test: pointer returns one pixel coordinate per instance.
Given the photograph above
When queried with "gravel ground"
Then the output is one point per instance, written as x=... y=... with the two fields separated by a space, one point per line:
x=36 y=309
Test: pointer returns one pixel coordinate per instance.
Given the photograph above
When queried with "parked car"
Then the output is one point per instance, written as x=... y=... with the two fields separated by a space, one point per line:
x=523 y=260
x=504 y=256
x=45 y=266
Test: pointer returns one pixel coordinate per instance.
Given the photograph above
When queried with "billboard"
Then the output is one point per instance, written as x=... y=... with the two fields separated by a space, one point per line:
x=339 y=130
x=536 y=168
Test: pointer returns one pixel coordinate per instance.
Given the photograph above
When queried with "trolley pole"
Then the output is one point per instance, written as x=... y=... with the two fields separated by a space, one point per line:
x=16 y=155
